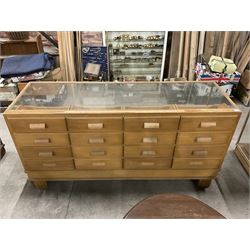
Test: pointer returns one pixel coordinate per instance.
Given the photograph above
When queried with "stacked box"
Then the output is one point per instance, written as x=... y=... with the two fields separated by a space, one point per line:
x=228 y=82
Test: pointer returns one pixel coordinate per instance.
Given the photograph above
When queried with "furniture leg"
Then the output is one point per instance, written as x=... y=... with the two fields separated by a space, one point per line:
x=40 y=184
x=204 y=183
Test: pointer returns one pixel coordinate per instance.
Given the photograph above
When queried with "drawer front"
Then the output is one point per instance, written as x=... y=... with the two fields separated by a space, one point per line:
x=208 y=123
x=151 y=123
x=49 y=165
x=149 y=138
x=37 y=125
x=81 y=139
x=46 y=152
x=94 y=124
x=199 y=163
x=200 y=151
x=148 y=151
x=149 y=163
x=97 y=152
x=98 y=164
x=187 y=138
x=42 y=139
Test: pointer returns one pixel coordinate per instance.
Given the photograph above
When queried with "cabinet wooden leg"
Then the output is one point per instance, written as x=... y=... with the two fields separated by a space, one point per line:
x=40 y=184
x=204 y=183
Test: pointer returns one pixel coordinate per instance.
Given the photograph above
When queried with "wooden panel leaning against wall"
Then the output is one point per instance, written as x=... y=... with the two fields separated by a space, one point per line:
x=187 y=46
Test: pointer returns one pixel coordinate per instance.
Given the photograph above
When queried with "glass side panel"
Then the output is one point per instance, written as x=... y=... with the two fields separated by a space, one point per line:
x=195 y=95
x=114 y=95
x=44 y=96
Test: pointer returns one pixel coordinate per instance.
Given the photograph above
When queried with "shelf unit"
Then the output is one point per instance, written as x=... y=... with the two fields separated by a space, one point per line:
x=133 y=56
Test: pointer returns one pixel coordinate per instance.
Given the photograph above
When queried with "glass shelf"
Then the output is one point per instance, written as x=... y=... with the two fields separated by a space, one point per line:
x=126 y=49
x=136 y=41
x=135 y=65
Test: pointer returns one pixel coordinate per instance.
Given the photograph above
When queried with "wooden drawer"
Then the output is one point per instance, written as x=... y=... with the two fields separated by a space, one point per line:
x=169 y=123
x=148 y=151
x=49 y=165
x=198 y=163
x=187 y=138
x=94 y=124
x=149 y=138
x=46 y=152
x=202 y=151
x=42 y=139
x=208 y=123
x=97 y=152
x=37 y=125
x=149 y=163
x=98 y=164
x=81 y=139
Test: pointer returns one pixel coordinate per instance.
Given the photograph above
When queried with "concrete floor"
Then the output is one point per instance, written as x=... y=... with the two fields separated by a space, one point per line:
x=228 y=193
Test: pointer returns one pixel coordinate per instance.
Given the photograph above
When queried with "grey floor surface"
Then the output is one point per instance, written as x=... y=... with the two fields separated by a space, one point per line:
x=228 y=193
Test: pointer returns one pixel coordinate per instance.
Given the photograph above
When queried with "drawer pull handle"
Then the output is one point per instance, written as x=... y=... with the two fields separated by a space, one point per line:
x=45 y=154
x=147 y=164
x=49 y=164
x=203 y=139
x=97 y=153
x=148 y=152
x=45 y=140
x=208 y=124
x=96 y=140
x=37 y=125
x=149 y=140
x=200 y=152
x=192 y=163
x=95 y=125
x=151 y=125
x=98 y=164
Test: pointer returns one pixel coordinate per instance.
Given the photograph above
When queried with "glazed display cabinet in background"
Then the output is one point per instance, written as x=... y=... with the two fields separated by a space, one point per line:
x=136 y=55
x=82 y=131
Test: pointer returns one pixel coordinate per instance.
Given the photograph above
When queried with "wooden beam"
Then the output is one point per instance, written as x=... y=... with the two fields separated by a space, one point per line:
x=186 y=54
x=201 y=43
x=243 y=38
x=219 y=36
x=209 y=44
x=225 y=44
x=174 y=54
x=79 y=66
x=193 y=54
x=66 y=55
x=244 y=60
x=180 y=53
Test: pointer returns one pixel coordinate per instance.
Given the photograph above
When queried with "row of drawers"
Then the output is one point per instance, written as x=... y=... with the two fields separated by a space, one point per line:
x=148 y=142
x=132 y=163
x=130 y=138
x=129 y=151
x=170 y=123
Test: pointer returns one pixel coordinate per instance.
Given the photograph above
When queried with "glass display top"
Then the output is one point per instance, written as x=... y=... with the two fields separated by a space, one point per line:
x=120 y=96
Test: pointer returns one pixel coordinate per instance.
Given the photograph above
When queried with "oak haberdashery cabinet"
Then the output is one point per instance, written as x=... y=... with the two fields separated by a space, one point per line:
x=112 y=130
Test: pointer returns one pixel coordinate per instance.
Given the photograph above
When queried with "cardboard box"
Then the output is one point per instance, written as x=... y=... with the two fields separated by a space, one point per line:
x=245 y=79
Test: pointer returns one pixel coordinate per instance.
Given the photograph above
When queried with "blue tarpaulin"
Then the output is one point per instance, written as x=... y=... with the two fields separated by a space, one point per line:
x=26 y=64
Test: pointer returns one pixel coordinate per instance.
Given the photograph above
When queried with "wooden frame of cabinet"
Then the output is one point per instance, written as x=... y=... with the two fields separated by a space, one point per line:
x=126 y=144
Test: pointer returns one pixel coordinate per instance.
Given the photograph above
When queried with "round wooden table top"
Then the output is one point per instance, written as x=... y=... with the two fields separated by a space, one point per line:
x=172 y=206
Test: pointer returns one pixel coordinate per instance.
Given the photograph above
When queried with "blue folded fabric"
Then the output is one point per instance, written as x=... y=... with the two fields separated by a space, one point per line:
x=26 y=64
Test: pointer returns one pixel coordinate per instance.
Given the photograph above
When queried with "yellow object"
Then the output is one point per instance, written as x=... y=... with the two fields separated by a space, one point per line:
x=222 y=65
